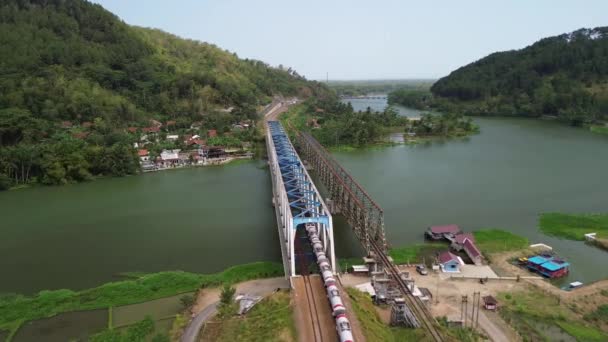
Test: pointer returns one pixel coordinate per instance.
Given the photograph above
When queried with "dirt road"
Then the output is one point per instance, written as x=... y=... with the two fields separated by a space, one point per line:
x=208 y=299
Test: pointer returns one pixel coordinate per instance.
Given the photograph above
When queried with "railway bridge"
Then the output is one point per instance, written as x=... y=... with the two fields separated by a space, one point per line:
x=305 y=230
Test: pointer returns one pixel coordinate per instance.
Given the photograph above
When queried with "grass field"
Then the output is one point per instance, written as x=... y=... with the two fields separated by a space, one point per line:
x=496 y=240
x=543 y=317
x=373 y=328
x=574 y=226
x=417 y=253
x=16 y=309
x=269 y=320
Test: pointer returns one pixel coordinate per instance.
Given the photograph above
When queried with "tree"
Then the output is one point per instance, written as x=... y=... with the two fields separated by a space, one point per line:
x=5 y=182
x=227 y=294
x=187 y=300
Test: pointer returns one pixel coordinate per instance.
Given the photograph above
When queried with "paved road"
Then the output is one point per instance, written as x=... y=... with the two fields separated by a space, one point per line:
x=191 y=332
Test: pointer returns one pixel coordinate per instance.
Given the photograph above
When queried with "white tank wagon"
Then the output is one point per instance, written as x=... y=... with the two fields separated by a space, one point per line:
x=344 y=330
x=333 y=294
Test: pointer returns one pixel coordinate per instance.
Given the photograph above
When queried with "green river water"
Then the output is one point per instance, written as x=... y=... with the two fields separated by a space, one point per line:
x=206 y=219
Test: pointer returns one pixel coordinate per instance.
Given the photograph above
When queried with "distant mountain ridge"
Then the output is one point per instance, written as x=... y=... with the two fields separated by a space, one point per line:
x=564 y=76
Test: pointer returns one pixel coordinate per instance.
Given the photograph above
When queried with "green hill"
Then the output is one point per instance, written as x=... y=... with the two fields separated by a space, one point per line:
x=564 y=76
x=71 y=60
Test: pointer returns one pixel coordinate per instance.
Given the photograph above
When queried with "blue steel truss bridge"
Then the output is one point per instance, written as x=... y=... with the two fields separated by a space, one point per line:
x=298 y=203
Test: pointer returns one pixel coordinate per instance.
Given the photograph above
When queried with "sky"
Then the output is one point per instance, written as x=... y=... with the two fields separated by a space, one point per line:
x=373 y=39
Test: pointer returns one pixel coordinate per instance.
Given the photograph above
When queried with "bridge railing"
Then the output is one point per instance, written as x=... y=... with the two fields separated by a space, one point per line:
x=363 y=214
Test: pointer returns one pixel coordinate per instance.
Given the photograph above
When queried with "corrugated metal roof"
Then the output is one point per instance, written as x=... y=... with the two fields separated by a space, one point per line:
x=451 y=228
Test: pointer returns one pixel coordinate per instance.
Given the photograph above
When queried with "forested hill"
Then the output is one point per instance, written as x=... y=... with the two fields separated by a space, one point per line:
x=566 y=75
x=73 y=60
x=74 y=77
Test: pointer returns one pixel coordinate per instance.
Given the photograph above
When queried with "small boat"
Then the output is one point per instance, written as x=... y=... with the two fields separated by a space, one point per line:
x=572 y=286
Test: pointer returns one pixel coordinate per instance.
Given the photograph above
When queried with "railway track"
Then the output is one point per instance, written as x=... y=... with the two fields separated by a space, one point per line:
x=414 y=303
x=314 y=313
x=309 y=292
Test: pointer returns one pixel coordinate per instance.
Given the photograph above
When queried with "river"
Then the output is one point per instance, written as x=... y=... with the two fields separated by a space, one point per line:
x=81 y=235
x=206 y=219
x=503 y=177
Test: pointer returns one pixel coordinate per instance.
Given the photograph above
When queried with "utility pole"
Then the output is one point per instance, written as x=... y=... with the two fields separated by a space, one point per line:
x=463 y=310
x=327 y=77
x=478 y=295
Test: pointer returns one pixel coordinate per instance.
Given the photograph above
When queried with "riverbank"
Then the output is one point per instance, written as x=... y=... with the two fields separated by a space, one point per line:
x=18 y=309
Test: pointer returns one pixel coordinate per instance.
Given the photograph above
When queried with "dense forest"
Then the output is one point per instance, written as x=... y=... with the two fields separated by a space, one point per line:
x=358 y=88
x=564 y=76
x=73 y=76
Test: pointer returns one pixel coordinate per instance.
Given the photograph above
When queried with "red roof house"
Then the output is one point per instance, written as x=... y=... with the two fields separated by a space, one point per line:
x=66 y=124
x=443 y=232
x=132 y=129
x=212 y=133
x=449 y=262
x=80 y=135
x=151 y=129
x=472 y=251
x=459 y=239
x=142 y=153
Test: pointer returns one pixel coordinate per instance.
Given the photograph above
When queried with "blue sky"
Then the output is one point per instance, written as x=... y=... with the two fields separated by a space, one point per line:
x=354 y=39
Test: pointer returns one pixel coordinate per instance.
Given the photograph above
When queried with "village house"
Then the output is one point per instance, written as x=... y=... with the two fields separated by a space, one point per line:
x=184 y=158
x=144 y=155
x=443 y=232
x=212 y=133
x=168 y=158
x=548 y=266
x=155 y=123
x=449 y=262
x=473 y=252
x=66 y=124
x=466 y=242
x=172 y=137
x=490 y=303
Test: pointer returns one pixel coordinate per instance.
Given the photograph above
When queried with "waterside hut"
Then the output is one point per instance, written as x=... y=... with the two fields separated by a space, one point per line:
x=443 y=232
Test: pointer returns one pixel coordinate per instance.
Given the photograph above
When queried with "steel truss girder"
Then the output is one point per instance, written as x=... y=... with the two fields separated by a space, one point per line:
x=360 y=210
x=297 y=200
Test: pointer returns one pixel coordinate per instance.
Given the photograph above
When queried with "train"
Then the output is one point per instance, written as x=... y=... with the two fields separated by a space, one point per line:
x=338 y=309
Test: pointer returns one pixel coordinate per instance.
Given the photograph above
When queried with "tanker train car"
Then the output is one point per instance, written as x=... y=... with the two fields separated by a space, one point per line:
x=333 y=294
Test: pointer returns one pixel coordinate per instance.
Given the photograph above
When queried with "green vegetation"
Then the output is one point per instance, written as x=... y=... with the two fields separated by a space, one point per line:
x=358 y=88
x=461 y=334
x=334 y=123
x=582 y=332
x=74 y=77
x=564 y=76
x=16 y=309
x=599 y=315
x=269 y=320
x=497 y=240
x=413 y=98
x=138 y=332
x=443 y=125
x=373 y=328
x=599 y=129
x=534 y=313
x=416 y=253
x=345 y=263
x=574 y=226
